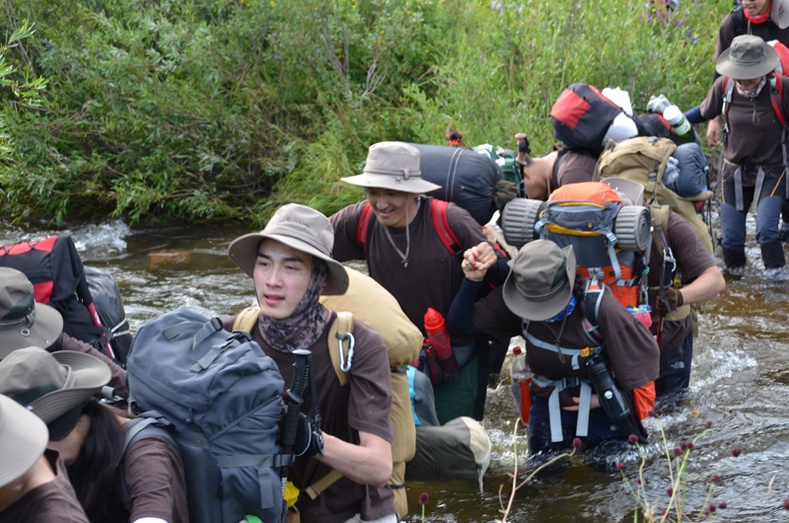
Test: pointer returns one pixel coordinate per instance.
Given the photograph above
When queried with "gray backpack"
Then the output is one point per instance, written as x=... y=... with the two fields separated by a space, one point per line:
x=220 y=397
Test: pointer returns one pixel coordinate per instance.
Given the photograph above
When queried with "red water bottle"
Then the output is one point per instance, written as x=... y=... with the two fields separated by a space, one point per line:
x=438 y=339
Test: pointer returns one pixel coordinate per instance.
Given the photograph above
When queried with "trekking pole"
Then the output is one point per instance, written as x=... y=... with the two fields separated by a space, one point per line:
x=295 y=398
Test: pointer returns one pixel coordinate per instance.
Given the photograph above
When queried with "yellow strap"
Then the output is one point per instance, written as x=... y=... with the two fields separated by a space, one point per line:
x=247 y=319
x=317 y=488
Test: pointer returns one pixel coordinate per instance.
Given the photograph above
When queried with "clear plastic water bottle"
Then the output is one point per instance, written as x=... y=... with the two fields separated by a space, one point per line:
x=679 y=123
x=658 y=104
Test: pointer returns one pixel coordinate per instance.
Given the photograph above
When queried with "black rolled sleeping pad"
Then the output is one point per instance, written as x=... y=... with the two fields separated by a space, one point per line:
x=466 y=177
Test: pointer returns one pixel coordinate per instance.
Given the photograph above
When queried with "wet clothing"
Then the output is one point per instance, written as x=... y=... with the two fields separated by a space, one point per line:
x=52 y=501
x=630 y=348
x=363 y=406
x=154 y=477
x=431 y=279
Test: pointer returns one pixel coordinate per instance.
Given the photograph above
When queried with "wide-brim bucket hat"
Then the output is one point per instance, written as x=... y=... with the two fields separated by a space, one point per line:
x=541 y=280
x=779 y=13
x=394 y=166
x=52 y=384
x=23 y=322
x=748 y=57
x=301 y=228
x=23 y=438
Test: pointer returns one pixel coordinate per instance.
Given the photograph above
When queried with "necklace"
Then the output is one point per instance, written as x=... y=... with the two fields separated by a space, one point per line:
x=403 y=256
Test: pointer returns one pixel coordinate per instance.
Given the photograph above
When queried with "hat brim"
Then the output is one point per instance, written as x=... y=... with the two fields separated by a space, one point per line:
x=779 y=13
x=725 y=67
x=535 y=308
x=392 y=183
x=23 y=439
x=89 y=373
x=44 y=332
x=244 y=252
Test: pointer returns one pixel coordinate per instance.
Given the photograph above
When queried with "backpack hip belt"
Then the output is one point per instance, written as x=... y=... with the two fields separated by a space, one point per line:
x=555 y=408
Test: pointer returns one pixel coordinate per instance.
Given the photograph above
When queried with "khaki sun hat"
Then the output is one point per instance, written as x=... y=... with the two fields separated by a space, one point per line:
x=541 y=280
x=301 y=228
x=394 y=166
x=748 y=57
x=23 y=322
x=51 y=384
x=23 y=438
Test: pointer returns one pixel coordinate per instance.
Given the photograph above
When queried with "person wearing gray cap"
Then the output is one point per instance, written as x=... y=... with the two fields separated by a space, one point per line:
x=141 y=481
x=754 y=156
x=291 y=265
x=24 y=322
x=575 y=370
x=34 y=485
x=406 y=256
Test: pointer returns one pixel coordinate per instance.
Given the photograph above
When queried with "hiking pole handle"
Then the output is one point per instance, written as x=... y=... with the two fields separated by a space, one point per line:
x=295 y=398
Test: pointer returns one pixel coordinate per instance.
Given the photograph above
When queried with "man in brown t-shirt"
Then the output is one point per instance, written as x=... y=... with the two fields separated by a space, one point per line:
x=559 y=167
x=291 y=265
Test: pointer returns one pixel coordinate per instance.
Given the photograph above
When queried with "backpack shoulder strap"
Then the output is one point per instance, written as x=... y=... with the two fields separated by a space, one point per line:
x=438 y=212
x=593 y=297
x=341 y=345
x=738 y=17
x=247 y=319
x=363 y=227
x=776 y=98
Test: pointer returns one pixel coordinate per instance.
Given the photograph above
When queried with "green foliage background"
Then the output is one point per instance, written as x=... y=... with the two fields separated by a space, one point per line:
x=199 y=110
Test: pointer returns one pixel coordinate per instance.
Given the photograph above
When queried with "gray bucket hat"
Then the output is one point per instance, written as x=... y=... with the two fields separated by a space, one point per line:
x=541 y=281
x=23 y=322
x=23 y=438
x=301 y=228
x=52 y=384
x=748 y=57
x=394 y=166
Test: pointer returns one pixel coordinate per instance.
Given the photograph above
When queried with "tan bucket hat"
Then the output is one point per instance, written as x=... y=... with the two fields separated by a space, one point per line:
x=541 y=280
x=23 y=322
x=301 y=228
x=748 y=57
x=394 y=166
x=23 y=438
x=51 y=384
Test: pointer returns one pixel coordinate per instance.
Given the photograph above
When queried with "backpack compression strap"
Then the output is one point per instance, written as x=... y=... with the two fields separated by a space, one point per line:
x=341 y=330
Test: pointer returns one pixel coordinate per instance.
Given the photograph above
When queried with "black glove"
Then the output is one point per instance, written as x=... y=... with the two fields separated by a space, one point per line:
x=674 y=299
x=309 y=439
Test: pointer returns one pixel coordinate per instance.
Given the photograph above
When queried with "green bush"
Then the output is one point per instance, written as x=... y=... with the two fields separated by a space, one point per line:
x=216 y=111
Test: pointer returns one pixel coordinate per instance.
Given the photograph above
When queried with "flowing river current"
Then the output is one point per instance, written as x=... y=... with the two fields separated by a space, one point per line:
x=740 y=384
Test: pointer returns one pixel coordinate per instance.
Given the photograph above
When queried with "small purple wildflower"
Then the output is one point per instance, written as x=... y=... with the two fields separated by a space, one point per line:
x=632 y=439
x=424 y=497
x=716 y=478
x=735 y=452
x=577 y=443
x=620 y=466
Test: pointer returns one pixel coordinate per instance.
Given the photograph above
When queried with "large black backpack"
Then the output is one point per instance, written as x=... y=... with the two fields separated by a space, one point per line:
x=221 y=396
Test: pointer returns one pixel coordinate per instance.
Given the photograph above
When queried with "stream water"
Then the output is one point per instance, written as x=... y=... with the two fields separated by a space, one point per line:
x=740 y=384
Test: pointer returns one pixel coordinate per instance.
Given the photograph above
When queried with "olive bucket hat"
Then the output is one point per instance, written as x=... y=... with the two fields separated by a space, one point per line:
x=748 y=57
x=23 y=438
x=394 y=166
x=541 y=280
x=23 y=322
x=52 y=384
x=301 y=228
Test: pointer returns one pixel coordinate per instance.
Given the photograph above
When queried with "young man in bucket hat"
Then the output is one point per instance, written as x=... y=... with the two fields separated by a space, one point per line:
x=25 y=322
x=542 y=301
x=291 y=265
x=406 y=256
x=34 y=485
x=754 y=155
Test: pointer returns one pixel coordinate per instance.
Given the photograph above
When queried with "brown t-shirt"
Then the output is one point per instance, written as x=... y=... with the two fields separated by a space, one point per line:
x=154 y=476
x=750 y=144
x=52 y=501
x=572 y=167
x=631 y=349
x=692 y=260
x=766 y=31
x=433 y=275
x=363 y=406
